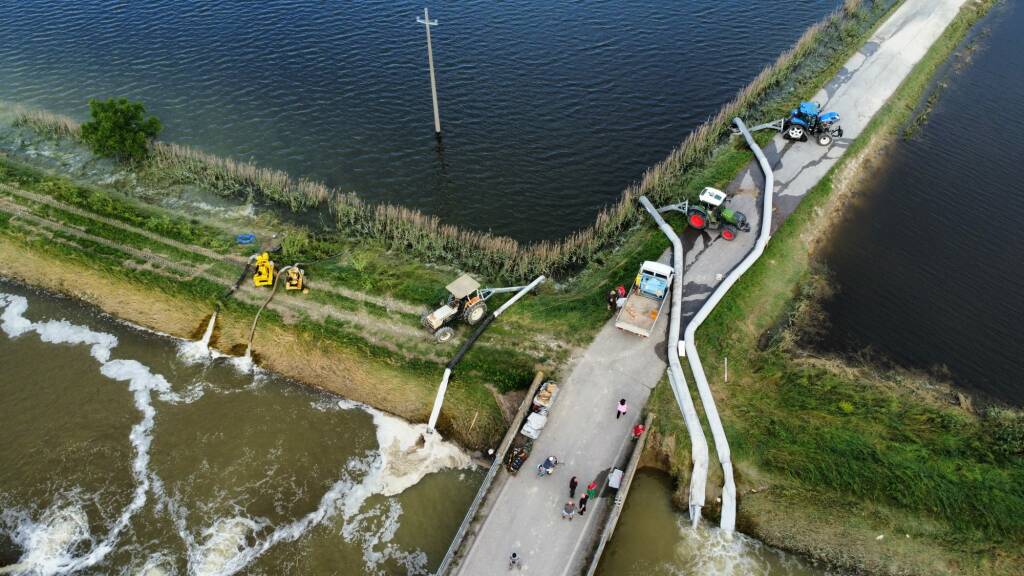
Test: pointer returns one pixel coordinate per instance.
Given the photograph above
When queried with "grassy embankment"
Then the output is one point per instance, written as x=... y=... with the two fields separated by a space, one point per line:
x=381 y=251
x=829 y=456
x=607 y=252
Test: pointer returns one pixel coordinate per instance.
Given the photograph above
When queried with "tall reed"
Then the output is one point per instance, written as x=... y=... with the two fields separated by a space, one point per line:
x=48 y=123
x=772 y=91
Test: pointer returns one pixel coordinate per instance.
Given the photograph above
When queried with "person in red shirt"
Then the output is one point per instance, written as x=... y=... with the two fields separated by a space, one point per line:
x=638 y=431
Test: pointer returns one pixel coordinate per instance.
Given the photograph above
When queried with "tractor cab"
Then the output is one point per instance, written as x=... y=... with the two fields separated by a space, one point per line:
x=806 y=114
x=713 y=197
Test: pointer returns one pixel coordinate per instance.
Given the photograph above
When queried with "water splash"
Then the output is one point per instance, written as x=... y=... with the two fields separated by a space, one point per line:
x=38 y=538
x=711 y=551
x=403 y=460
x=199 y=350
x=397 y=465
x=230 y=544
x=50 y=541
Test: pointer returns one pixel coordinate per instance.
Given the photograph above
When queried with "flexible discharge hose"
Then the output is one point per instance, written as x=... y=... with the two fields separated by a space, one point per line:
x=728 y=520
x=698 y=443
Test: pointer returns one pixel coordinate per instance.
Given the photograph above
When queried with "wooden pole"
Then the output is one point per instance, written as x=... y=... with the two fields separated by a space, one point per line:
x=430 y=60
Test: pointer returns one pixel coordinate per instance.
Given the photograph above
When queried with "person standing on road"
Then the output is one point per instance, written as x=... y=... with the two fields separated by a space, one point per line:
x=569 y=510
x=592 y=489
x=573 y=483
x=583 y=503
x=620 y=410
x=513 y=561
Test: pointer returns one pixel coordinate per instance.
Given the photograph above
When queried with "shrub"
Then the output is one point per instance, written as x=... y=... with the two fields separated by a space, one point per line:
x=120 y=129
x=295 y=244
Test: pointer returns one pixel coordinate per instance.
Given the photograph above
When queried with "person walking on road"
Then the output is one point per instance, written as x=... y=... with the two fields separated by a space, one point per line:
x=513 y=562
x=573 y=483
x=569 y=510
x=592 y=489
x=620 y=410
x=583 y=503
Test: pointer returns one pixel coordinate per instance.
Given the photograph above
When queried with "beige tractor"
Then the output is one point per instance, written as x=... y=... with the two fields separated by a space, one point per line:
x=466 y=300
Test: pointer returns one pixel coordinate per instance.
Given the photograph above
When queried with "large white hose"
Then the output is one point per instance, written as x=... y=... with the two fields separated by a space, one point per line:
x=698 y=443
x=728 y=520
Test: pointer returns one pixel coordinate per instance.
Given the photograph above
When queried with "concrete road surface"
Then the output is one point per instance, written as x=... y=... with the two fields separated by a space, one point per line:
x=582 y=431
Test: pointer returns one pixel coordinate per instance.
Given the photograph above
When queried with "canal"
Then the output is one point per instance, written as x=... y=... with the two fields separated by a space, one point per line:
x=129 y=452
x=928 y=262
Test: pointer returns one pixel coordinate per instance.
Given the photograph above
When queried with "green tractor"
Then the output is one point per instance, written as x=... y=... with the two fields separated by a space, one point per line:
x=710 y=214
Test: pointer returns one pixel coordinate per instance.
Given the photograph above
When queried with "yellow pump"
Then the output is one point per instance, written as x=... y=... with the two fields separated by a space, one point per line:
x=294 y=278
x=264 y=275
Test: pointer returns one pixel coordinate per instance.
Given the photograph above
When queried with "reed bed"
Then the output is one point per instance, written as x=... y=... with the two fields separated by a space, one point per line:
x=48 y=124
x=771 y=92
x=233 y=178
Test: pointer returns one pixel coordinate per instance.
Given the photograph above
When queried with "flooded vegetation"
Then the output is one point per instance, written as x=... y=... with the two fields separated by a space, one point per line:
x=926 y=265
x=548 y=111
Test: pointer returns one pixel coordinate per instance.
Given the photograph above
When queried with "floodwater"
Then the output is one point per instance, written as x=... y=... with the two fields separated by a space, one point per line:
x=929 y=263
x=549 y=109
x=127 y=452
x=653 y=539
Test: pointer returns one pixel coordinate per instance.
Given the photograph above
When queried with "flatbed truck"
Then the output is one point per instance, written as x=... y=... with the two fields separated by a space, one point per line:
x=646 y=299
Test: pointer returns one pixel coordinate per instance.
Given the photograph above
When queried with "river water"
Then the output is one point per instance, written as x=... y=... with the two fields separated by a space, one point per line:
x=128 y=452
x=654 y=539
x=929 y=263
x=549 y=109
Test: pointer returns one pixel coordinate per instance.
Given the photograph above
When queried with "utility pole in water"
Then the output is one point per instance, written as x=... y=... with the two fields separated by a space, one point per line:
x=427 y=23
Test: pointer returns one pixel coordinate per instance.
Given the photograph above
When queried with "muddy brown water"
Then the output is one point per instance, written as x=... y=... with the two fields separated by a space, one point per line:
x=654 y=539
x=126 y=452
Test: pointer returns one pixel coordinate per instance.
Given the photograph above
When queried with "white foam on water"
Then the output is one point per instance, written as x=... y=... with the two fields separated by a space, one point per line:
x=196 y=351
x=37 y=541
x=156 y=565
x=50 y=541
x=709 y=551
x=230 y=544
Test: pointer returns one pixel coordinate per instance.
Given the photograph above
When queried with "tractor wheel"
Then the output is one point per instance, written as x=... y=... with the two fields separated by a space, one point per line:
x=475 y=313
x=795 y=132
x=697 y=218
x=824 y=138
x=444 y=334
x=729 y=232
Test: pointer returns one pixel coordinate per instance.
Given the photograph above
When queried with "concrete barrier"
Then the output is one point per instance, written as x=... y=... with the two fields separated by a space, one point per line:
x=620 y=498
x=485 y=487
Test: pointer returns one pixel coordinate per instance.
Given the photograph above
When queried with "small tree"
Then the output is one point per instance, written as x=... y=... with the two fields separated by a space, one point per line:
x=120 y=129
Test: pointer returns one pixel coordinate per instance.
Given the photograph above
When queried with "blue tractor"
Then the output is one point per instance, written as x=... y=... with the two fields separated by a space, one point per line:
x=807 y=119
